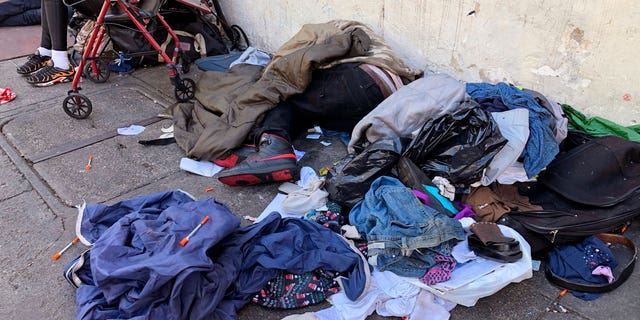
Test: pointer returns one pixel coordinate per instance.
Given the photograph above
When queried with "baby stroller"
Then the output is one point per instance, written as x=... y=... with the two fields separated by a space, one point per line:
x=96 y=68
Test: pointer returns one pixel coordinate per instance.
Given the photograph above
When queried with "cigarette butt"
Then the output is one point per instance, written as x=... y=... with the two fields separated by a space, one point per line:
x=563 y=292
x=184 y=241
x=209 y=189
x=88 y=166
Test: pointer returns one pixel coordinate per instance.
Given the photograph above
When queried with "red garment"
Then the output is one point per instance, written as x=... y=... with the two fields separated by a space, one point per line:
x=6 y=95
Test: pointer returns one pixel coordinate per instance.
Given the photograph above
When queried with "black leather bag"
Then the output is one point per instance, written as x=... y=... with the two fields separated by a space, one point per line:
x=592 y=188
x=563 y=221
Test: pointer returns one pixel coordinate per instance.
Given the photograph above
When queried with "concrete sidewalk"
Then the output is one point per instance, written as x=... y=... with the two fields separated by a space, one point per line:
x=43 y=153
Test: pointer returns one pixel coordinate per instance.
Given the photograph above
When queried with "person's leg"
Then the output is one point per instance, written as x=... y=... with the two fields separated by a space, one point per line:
x=45 y=38
x=55 y=17
x=42 y=56
x=27 y=18
x=13 y=8
x=276 y=121
x=336 y=99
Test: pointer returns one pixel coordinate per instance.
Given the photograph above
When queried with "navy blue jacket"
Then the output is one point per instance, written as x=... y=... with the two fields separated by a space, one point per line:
x=138 y=270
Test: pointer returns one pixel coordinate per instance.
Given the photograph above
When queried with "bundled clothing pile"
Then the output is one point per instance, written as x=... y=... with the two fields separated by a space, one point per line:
x=229 y=103
x=404 y=235
x=137 y=268
x=446 y=192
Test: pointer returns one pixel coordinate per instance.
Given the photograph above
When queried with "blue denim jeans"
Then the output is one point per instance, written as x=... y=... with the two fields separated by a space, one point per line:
x=403 y=234
x=19 y=13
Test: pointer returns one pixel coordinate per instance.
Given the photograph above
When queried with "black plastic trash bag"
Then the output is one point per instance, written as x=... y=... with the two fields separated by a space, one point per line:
x=348 y=181
x=457 y=146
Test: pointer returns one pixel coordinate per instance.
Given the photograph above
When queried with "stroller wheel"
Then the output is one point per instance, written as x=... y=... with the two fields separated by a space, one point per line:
x=102 y=72
x=185 y=90
x=77 y=106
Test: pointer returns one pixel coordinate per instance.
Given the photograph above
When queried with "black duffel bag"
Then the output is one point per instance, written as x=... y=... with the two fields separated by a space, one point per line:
x=565 y=222
x=592 y=188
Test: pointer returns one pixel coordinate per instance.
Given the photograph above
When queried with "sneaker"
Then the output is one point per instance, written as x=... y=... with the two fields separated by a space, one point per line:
x=33 y=64
x=235 y=156
x=274 y=161
x=50 y=75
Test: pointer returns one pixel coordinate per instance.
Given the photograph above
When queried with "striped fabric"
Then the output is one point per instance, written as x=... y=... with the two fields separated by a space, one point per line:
x=388 y=82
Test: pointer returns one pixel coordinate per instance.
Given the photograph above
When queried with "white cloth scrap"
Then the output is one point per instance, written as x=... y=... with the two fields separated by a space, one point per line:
x=309 y=197
x=388 y=295
x=445 y=188
x=131 y=130
x=252 y=56
x=514 y=126
x=203 y=168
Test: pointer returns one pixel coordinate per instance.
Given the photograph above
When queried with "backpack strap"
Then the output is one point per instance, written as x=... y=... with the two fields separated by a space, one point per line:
x=163 y=46
x=200 y=45
x=594 y=288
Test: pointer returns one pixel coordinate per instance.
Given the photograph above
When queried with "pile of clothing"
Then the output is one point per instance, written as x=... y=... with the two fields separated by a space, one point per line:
x=406 y=225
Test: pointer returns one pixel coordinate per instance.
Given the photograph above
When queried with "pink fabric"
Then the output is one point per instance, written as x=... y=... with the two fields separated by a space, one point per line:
x=441 y=272
x=604 y=271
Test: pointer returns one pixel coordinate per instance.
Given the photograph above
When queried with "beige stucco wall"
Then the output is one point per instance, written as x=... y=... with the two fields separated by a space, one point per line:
x=581 y=52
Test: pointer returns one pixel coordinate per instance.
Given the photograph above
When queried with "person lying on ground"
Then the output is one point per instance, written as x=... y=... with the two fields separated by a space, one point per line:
x=19 y=13
x=336 y=99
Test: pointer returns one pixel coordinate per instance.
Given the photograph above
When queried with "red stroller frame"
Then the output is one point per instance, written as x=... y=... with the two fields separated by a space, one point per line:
x=78 y=105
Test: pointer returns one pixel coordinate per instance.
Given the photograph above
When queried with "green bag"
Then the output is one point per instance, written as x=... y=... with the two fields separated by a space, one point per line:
x=598 y=127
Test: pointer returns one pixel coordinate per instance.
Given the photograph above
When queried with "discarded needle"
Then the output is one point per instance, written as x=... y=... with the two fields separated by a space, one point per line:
x=57 y=255
x=184 y=241
x=88 y=166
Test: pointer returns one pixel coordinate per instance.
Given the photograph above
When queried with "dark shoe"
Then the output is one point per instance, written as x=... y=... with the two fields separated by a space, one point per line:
x=508 y=246
x=274 y=161
x=492 y=254
x=235 y=156
x=50 y=75
x=487 y=241
x=33 y=64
